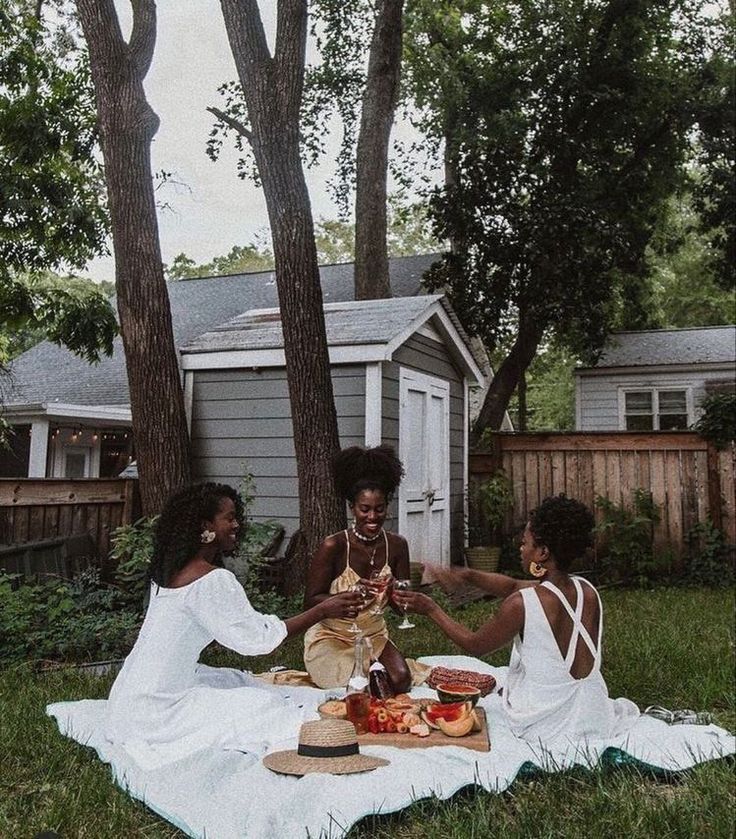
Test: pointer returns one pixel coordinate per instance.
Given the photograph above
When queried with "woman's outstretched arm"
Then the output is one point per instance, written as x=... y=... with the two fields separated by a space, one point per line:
x=499 y=585
x=494 y=634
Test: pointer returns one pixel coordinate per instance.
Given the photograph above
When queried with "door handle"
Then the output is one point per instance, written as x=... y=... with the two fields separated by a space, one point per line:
x=429 y=495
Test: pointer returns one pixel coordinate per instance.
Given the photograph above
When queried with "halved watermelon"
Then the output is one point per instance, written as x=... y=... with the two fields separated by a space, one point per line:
x=448 y=711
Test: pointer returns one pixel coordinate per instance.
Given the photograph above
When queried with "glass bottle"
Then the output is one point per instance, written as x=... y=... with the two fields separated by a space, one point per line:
x=380 y=685
x=357 y=698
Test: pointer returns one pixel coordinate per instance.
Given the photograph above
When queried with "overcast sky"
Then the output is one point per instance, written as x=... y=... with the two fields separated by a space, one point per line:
x=214 y=209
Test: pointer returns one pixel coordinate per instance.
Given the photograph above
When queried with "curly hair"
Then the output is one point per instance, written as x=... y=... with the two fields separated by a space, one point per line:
x=176 y=535
x=357 y=469
x=565 y=526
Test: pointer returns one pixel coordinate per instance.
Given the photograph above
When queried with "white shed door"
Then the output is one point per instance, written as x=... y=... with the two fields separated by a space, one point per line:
x=424 y=446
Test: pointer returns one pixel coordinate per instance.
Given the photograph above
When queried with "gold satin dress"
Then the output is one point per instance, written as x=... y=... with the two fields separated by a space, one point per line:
x=329 y=645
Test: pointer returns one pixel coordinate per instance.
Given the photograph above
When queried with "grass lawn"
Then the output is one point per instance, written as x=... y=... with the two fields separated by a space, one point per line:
x=671 y=647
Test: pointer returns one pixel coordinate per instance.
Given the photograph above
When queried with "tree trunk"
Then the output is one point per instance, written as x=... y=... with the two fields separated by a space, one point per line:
x=507 y=377
x=521 y=397
x=273 y=90
x=127 y=125
x=379 y=104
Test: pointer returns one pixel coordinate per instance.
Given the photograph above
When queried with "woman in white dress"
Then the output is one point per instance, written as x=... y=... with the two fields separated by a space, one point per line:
x=554 y=686
x=163 y=705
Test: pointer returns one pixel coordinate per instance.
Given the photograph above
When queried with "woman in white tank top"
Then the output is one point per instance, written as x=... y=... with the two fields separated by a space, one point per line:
x=554 y=686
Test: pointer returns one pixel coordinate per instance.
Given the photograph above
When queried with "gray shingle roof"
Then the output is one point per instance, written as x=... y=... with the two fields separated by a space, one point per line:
x=702 y=345
x=48 y=373
x=347 y=323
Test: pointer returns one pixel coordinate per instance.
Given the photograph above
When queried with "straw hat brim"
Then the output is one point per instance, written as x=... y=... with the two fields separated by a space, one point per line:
x=292 y=763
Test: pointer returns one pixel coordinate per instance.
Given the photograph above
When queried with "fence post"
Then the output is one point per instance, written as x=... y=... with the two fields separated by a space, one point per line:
x=714 y=487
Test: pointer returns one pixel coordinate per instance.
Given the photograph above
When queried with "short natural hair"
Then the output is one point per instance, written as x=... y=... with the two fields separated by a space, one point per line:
x=564 y=525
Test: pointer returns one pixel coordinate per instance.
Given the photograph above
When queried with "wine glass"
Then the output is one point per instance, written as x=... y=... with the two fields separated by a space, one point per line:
x=379 y=581
x=404 y=585
x=363 y=592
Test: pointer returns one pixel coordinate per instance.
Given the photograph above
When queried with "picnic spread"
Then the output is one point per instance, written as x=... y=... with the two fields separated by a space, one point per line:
x=227 y=792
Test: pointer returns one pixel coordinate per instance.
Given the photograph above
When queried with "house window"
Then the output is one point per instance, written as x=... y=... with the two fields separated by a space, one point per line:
x=655 y=410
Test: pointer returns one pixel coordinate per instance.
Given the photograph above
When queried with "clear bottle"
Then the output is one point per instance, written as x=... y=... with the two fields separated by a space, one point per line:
x=358 y=680
x=357 y=698
x=380 y=684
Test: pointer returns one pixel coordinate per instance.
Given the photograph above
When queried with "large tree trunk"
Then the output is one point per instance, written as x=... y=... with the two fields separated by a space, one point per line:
x=127 y=125
x=273 y=90
x=379 y=104
x=507 y=377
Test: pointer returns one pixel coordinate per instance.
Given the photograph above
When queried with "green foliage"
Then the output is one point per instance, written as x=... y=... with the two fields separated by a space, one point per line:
x=488 y=503
x=249 y=561
x=684 y=282
x=718 y=421
x=240 y=260
x=711 y=559
x=628 y=539
x=550 y=393
x=78 y=620
x=409 y=232
x=715 y=153
x=67 y=310
x=566 y=128
x=52 y=201
x=132 y=550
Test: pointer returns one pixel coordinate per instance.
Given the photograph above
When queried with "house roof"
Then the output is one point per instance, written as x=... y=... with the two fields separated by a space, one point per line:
x=48 y=373
x=670 y=347
x=365 y=331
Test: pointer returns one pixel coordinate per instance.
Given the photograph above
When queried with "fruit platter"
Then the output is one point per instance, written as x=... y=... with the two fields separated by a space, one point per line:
x=417 y=723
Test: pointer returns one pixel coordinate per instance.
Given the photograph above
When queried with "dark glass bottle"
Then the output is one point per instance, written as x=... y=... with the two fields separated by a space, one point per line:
x=379 y=682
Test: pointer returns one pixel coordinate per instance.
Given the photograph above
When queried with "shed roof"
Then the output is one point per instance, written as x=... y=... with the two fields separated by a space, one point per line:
x=346 y=323
x=49 y=373
x=373 y=329
x=656 y=347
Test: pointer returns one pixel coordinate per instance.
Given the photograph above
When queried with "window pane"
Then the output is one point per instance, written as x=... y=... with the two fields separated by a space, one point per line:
x=638 y=402
x=672 y=422
x=75 y=463
x=639 y=422
x=672 y=402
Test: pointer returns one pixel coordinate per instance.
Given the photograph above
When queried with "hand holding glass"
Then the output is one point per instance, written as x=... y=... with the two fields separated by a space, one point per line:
x=380 y=582
x=404 y=585
x=363 y=592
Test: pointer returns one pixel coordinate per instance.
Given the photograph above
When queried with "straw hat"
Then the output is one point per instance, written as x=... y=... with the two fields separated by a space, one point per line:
x=324 y=746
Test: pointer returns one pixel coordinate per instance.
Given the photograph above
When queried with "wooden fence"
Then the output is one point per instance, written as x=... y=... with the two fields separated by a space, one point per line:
x=38 y=510
x=689 y=480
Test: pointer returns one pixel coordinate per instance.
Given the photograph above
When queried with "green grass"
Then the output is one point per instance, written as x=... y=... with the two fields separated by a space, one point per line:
x=672 y=647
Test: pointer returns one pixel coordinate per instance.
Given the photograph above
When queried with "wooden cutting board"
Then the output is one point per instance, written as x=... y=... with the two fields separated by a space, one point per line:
x=476 y=740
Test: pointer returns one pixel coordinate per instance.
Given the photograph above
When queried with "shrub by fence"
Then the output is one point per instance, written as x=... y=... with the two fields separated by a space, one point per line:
x=688 y=478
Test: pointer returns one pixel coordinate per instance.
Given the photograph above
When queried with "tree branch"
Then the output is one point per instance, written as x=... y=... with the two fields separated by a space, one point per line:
x=233 y=123
x=143 y=36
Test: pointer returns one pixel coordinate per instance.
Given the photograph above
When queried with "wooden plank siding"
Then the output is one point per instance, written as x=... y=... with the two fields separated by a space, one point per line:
x=241 y=423
x=39 y=509
x=426 y=355
x=689 y=480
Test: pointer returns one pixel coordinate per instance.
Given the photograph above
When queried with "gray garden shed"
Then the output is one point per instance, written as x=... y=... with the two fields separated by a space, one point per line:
x=401 y=372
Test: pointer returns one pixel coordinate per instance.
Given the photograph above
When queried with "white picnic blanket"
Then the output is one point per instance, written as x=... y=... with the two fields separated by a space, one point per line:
x=230 y=795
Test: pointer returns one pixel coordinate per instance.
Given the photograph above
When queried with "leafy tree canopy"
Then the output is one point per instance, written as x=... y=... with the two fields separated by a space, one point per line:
x=51 y=195
x=566 y=128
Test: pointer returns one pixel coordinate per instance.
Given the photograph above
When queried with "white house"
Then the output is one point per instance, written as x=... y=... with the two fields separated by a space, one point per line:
x=654 y=380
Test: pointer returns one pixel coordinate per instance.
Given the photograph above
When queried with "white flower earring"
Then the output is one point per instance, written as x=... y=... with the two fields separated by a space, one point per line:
x=207 y=536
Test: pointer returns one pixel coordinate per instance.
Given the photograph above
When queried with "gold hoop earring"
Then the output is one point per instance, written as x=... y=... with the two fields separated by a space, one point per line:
x=537 y=570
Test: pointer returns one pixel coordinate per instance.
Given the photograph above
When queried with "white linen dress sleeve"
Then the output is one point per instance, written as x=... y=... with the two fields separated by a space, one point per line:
x=219 y=604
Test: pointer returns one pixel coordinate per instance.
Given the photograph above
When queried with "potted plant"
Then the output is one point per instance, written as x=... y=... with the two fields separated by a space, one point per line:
x=488 y=503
